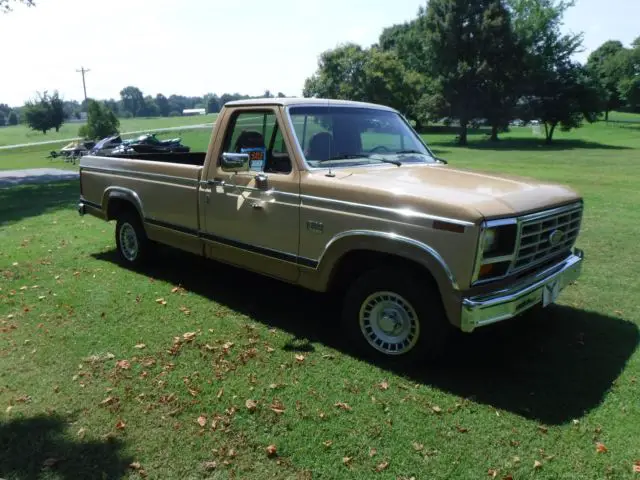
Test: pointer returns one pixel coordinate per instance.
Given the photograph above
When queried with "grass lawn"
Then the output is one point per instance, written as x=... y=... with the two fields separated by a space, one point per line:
x=102 y=367
x=20 y=134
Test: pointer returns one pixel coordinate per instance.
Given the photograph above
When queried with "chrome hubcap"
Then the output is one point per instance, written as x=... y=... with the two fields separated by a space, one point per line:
x=389 y=323
x=128 y=242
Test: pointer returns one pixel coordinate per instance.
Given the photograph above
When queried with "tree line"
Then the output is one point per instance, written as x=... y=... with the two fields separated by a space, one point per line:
x=494 y=60
x=47 y=112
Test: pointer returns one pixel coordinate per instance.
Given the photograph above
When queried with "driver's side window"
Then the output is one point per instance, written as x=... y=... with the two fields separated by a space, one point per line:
x=259 y=135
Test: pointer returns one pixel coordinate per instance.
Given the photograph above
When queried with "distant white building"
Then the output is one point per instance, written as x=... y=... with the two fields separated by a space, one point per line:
x=194 y=111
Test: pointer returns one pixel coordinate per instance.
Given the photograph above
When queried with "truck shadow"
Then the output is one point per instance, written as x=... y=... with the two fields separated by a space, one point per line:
x=37 y=447
x=553 y=366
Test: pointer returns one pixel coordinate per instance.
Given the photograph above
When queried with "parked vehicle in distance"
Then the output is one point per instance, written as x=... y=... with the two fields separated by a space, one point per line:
x=346 y=197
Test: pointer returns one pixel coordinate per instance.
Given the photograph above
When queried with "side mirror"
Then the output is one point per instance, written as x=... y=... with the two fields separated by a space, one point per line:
x=235 y=162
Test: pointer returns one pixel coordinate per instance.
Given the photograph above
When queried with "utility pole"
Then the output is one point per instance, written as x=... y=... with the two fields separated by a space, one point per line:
x=84 y=85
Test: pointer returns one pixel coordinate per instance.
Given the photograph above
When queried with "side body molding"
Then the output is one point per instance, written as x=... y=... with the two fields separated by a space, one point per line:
x=122 y=194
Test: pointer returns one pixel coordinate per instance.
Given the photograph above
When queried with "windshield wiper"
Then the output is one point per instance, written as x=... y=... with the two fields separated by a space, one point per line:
x=422 y=153
x=355 y=156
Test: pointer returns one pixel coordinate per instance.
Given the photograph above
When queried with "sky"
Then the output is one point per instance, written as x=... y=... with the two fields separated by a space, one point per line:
x=192 y=47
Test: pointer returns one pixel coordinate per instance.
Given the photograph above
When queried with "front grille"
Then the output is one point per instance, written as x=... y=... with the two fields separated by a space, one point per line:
x=536 y=231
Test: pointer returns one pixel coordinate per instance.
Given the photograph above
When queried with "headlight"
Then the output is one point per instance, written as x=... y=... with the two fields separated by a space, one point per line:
x=490 y=240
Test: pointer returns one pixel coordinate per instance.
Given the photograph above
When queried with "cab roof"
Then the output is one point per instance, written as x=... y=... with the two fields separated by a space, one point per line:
x=293 y=101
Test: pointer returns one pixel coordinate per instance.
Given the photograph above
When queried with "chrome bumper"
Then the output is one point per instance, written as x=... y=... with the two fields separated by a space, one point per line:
x=504 y=304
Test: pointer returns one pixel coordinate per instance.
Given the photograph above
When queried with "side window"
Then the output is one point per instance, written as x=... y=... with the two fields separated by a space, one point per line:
x=259 y=135
x=311 y=130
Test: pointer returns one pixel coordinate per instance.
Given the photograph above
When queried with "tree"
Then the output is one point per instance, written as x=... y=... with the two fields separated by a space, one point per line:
x=101 y=121
x=281 y=95
x=163 y=105
x=606 y=65
x=5 y=5
x=113 y=105
x=13 y=118
x=453 y=32
x=44 y=113
x=149 y=107
x=501 y=66
x=557 y=90
x=57 y=111
x=132 y=100
x=213 y=104
x=340 y=74
x=3 y=120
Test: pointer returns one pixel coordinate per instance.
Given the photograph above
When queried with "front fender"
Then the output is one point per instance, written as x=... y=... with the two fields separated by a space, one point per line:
x=121 y=193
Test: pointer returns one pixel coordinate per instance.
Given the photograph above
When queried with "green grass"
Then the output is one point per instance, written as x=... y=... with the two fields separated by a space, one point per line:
x=544 y=389
x=20 y=134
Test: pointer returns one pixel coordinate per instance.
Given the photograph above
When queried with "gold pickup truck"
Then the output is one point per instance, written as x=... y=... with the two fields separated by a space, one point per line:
x=345 y=197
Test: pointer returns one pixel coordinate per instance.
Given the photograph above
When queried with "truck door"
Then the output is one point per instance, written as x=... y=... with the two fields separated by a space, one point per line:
x=251 y=217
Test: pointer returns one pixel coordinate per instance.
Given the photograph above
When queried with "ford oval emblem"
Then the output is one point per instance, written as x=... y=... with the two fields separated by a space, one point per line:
x=556 y=237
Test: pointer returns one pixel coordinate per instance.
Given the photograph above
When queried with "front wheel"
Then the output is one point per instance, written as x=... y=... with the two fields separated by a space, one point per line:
x=131 y=239
x=395 y=315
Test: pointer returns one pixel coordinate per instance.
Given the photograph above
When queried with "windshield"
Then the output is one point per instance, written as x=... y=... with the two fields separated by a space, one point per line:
x=333 y=136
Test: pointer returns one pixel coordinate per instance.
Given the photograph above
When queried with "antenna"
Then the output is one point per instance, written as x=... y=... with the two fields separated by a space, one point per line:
x=84 y=85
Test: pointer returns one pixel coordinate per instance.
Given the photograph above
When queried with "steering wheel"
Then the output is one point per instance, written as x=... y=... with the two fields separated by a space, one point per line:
x=380 y=148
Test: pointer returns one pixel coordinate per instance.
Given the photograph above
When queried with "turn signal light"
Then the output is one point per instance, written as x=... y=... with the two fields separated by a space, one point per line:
x=485 y=270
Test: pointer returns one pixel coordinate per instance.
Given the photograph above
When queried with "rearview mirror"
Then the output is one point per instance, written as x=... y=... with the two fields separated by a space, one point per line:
x=235 y=162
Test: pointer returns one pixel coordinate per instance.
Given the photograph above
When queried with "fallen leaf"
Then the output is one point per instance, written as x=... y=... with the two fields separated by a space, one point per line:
x=42 y=297
x=232 y=453
x=161 y=301
x=140 y=346
x=384 y=385
x=193 y=392
x=135 y=466
x=202 y=420
x=270 y=349
x=123 y=364
x=382 y=466
x=220 y=392
x=636 y=466
x=108 y=401
x=210 y=465
x=300 y=358
x=9 y=408
x=82 y=432
x=436 y=409
x=493 y=473
x=189 y=336
x=600 y=448
x=328 y=356
x=327 y=443
x=576 y=421
x=271 y=450
x=417 y=446
x=461 y=429
x=251 y=405
x=372 y=452
x=120 y=425
x=227 y=345
x=543 y=429
x=185 y=310
x=516 y=459
x=537 y=465
x=343 y=406
x=347 y=460
x=277 y=407
x=50 y=462
x=175 y=289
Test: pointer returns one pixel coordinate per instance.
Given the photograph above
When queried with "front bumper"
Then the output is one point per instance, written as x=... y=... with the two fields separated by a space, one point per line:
x=504 y=304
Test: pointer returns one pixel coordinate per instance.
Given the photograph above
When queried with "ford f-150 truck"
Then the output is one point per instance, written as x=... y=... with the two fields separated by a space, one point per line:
x=346 y=197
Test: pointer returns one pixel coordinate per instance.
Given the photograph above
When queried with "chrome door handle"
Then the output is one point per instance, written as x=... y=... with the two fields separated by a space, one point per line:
x=220 y=183
x=257 y=205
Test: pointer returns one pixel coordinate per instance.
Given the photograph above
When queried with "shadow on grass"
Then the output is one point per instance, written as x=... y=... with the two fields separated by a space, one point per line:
x=37 y=447
x=530 y=144
x=25 y=201
x=553 y=367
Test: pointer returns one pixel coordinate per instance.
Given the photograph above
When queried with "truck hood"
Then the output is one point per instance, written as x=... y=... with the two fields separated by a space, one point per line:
x=447 y=189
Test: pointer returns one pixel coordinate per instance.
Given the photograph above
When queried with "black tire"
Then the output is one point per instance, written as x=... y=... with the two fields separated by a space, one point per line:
x=427 y=341
x=135 y=256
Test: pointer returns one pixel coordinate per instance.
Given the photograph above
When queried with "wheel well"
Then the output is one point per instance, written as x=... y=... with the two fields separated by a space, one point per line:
x=354 y=263
x=117 y=206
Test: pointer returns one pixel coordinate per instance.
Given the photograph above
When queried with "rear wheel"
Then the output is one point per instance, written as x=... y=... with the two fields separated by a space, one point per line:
x=131 y=239
x=396 y=315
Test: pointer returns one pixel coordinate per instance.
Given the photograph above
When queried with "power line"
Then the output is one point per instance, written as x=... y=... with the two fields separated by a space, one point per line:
x=84 y=85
